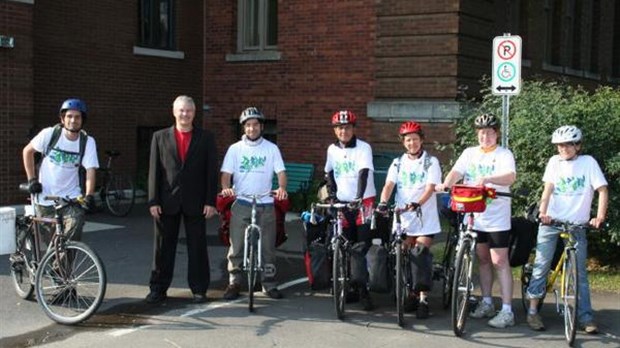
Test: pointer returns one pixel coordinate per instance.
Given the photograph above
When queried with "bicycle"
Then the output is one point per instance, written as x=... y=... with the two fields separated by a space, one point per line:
x=445 y=270
x=252 y=248
x=400 y=255
x=67 y=277
x=339 y=246
x=117 y=191
x=467 y=200
x=566 y=269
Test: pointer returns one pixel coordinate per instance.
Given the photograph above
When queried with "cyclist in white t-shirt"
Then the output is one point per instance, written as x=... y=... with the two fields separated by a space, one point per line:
x=248 y=168
x=415 y=175
x=494 y=166
x=60 y=166
x=349 y=173
x=570 y=181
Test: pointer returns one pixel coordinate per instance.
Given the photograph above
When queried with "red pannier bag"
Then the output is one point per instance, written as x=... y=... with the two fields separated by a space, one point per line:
x=470 y=199
x=223 y=205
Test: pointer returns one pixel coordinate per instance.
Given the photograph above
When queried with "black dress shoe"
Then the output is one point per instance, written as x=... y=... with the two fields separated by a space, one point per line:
x=155 y=297
x=199 y=298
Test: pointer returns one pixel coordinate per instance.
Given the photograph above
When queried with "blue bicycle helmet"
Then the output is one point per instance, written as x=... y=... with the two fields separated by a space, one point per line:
x=74 y=104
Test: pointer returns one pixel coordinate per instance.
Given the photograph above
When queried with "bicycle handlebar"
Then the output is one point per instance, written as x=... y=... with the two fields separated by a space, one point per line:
x=568 y=225
x=337 y=206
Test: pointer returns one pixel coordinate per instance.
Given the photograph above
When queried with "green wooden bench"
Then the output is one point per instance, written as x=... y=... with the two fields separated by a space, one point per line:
x=299 y=178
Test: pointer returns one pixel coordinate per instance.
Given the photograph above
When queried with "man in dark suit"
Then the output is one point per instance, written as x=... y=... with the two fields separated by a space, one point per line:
x=182 y=186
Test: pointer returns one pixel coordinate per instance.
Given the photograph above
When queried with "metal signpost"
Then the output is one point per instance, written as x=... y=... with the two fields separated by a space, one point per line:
x=506 y=74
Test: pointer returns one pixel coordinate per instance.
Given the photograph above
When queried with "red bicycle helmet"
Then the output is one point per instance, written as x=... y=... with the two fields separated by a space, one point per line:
x=410 y=127
x=343 y=117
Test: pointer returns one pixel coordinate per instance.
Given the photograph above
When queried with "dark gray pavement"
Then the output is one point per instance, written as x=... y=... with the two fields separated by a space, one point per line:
x=303 y=319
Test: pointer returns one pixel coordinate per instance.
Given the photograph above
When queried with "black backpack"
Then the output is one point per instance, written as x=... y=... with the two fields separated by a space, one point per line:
x=522 y=240
x=56 y=133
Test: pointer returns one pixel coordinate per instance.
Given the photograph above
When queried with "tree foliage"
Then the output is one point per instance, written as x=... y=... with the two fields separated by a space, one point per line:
x=535 y=113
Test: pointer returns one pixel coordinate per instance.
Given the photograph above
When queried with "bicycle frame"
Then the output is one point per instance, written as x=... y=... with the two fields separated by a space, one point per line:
x=248 y=235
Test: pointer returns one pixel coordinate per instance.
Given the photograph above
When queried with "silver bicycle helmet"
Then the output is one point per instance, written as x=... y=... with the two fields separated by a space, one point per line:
x=251 y=113
x=486 y=121
x=566 y=134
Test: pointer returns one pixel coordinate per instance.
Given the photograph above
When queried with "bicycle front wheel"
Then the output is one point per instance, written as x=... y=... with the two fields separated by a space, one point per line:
x=70 y=284
x=252 y=268
x=120 y=195
x=461 y=288
x=570 y=296
x=21 y=261
x=339 y=278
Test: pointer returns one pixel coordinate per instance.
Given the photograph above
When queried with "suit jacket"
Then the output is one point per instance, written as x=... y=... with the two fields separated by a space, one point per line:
x=183 y=187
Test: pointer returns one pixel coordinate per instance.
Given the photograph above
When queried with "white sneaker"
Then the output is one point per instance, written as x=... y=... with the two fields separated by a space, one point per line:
x=483 y=310
x=502 y=320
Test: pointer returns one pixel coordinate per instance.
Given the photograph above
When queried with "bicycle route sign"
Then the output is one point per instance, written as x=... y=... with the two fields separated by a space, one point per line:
x=506 y=73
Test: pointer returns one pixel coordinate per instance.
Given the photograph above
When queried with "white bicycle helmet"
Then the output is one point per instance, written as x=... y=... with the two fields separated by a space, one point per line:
x=486 y=121
x=566 y=134
x=250 y=113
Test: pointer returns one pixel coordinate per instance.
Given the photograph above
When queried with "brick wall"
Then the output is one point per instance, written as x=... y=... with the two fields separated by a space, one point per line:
x=327 y=64
x=16 y=96
x=85 y=49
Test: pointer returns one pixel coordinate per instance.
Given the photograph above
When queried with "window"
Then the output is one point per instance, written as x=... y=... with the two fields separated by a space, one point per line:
x=553 y=47
x=257 y=25
x=615 y=61
x=157 y=24
x=595 y=36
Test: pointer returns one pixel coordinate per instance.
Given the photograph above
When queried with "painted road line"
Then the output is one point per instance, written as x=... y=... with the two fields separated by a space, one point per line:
x=209 y=307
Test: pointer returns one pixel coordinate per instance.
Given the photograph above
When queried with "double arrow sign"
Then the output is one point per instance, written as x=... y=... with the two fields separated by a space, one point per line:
x=506 y=73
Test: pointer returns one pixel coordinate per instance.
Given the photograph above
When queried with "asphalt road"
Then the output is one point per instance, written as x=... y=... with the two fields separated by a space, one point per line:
x=302 y=319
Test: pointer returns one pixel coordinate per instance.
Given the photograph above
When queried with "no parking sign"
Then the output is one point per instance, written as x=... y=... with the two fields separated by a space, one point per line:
x=506 y=73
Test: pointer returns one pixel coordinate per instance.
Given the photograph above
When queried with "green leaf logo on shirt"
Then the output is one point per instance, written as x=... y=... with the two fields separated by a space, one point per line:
x=476 y=171
x=62 y=158
x=343 y=168
x=570 y=185
x=411 y=179
x=250 y=163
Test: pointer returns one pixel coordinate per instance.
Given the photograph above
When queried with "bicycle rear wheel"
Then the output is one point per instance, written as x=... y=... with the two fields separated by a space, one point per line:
x=339 y=278
x=448 y=270
x=401 y=284
x=252 y=271
x=21 y=272
x=570 y=296
x=120 y=195
x=461 y=288
x=70 y=285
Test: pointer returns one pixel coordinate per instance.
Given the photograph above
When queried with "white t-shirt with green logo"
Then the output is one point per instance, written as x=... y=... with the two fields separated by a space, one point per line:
x=346 y=164
x=252 y=165
x=574 y=183
x=474 y=164
x=411 y=179
x=59 y=171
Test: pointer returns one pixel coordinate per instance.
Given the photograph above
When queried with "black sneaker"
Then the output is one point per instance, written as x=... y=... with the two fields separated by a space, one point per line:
x=155 y=297
x=232 y=292
x=199 y=298
x=422 y=312
x=274 y=293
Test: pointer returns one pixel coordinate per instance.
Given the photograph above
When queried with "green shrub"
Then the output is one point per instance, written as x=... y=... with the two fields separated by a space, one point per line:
x=535 y=113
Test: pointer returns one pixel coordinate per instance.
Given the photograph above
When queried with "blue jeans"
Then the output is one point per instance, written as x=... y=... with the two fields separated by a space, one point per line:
x=545 y=248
